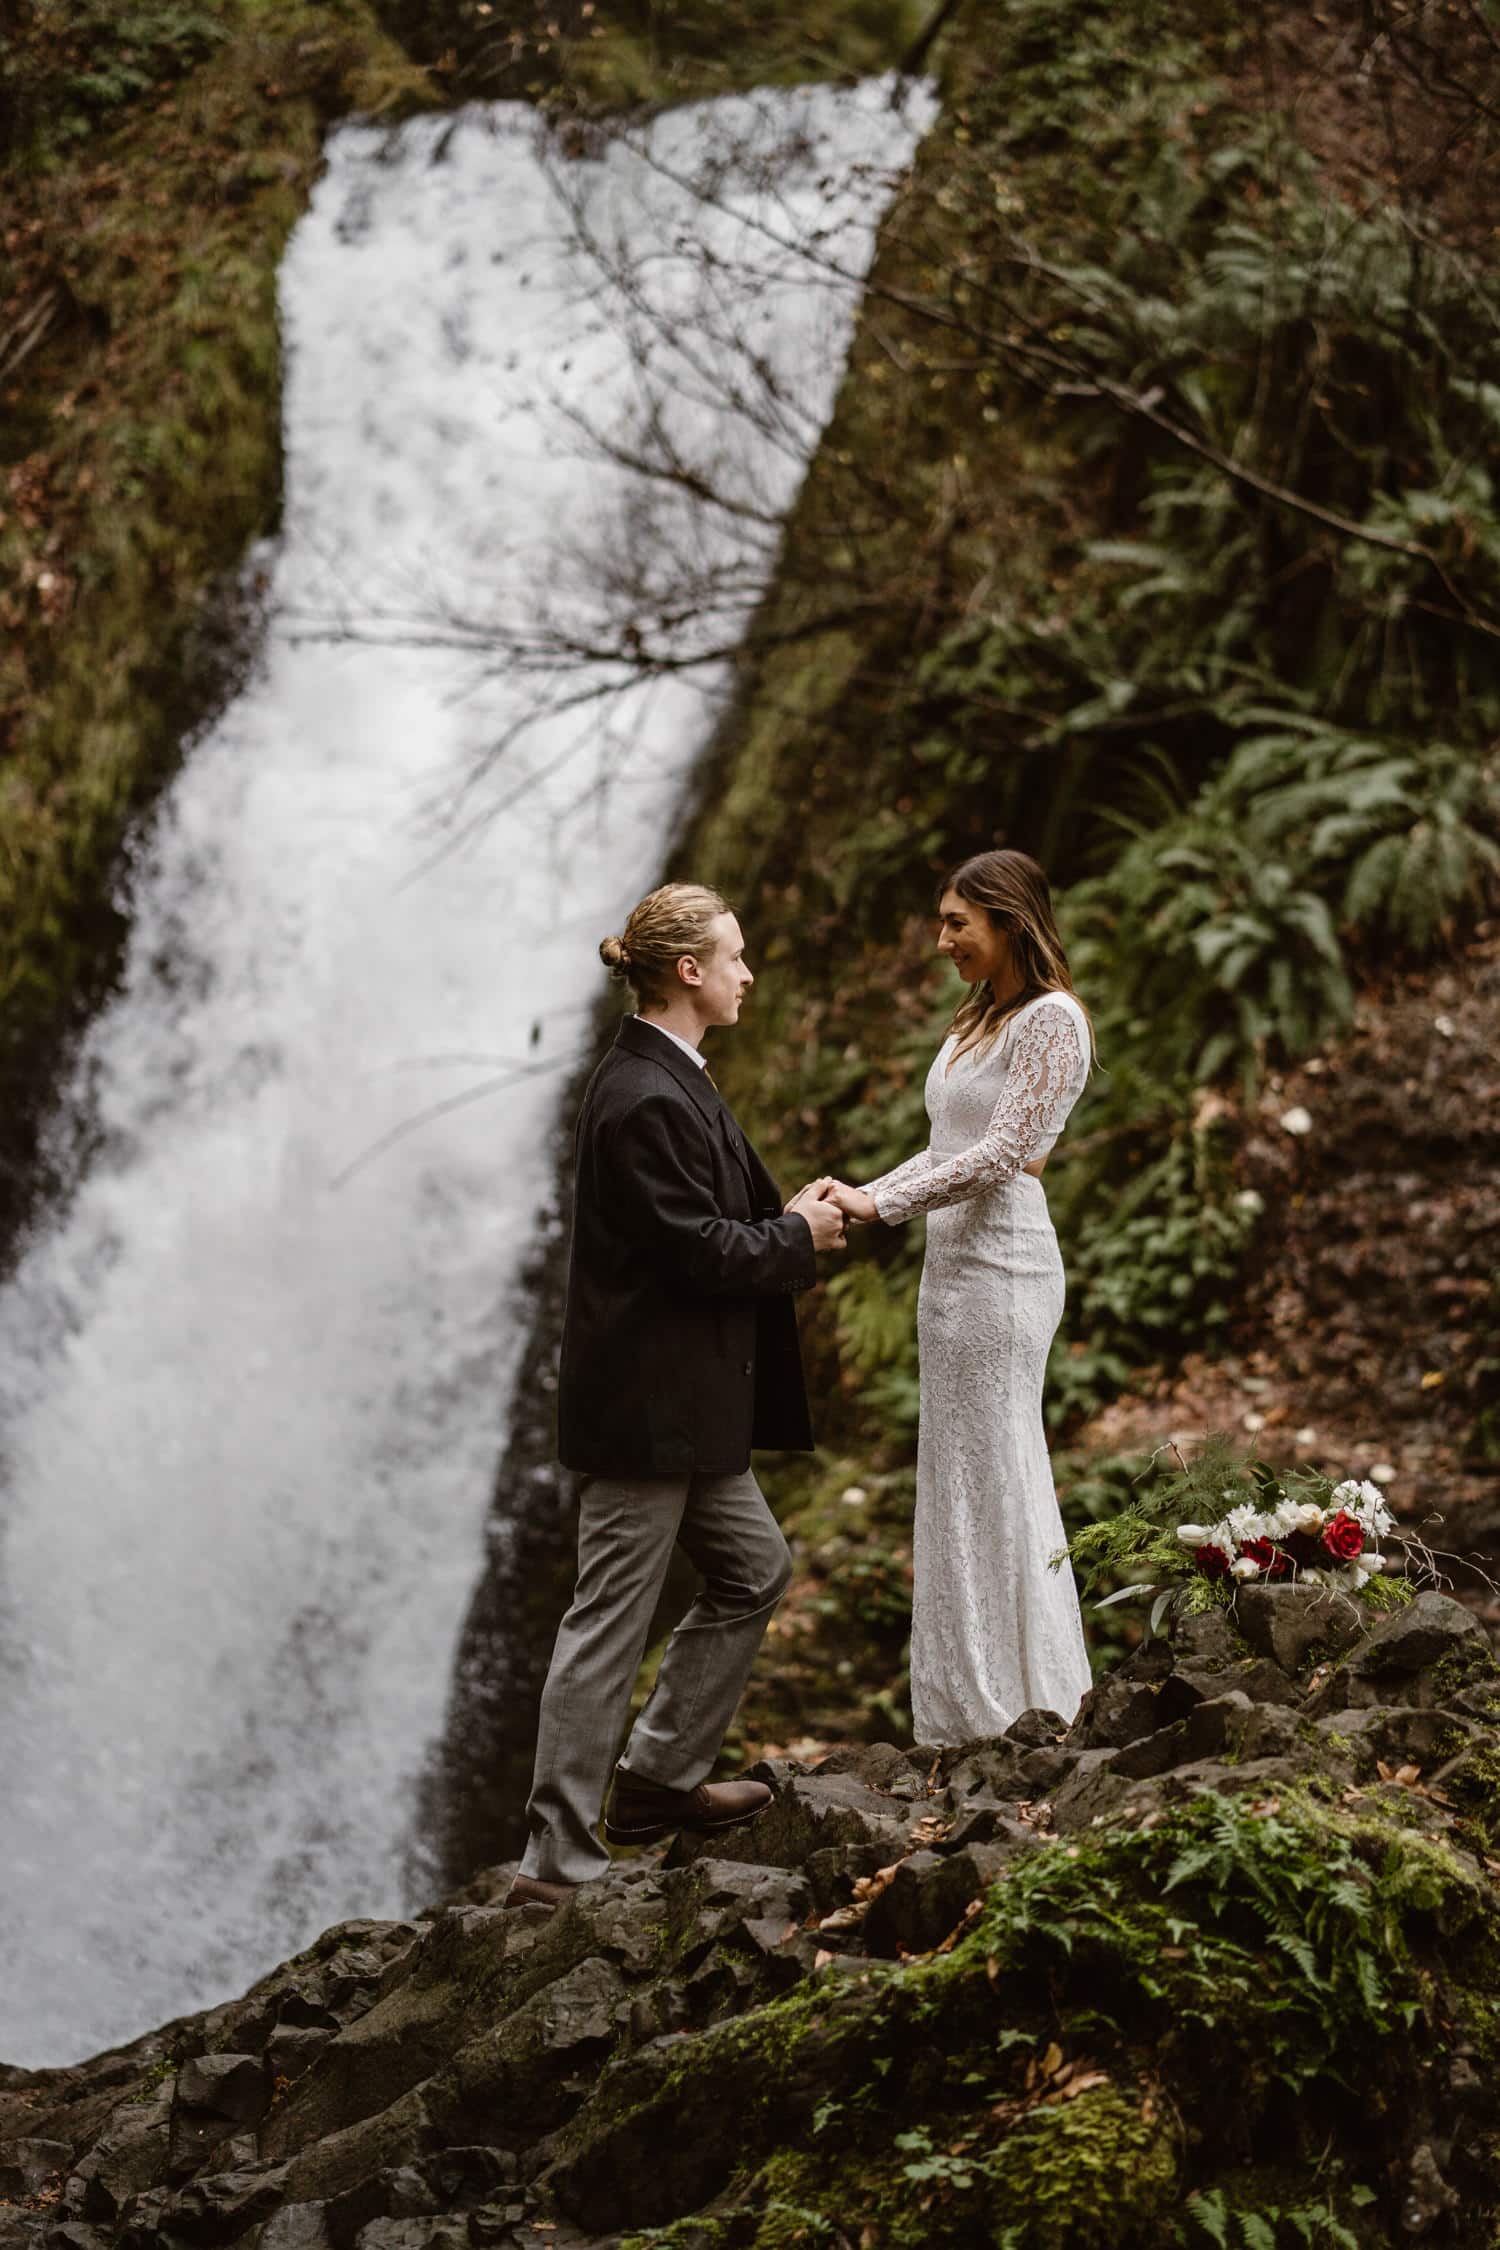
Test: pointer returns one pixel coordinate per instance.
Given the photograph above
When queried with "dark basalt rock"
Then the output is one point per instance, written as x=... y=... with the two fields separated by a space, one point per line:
x=29 y=2165
x=1435 y=1645
x=1035 y=1729
x=925 y=1901
x=1296 y=1625
x=228 y=2086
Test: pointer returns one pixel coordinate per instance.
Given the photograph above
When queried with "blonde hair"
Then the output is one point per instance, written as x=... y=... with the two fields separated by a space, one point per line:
x=676 y=919
x=1014 y=893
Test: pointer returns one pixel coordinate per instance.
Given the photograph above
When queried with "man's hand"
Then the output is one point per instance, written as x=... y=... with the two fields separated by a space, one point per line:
x=822 y=1214
x=853 y=1202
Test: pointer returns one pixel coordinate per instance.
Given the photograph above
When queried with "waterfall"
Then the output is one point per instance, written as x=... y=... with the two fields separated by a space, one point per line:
x=253 y=1370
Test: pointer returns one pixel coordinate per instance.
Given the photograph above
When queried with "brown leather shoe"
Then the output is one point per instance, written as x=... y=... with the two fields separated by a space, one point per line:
x=640 y=1811
x=526 y=1890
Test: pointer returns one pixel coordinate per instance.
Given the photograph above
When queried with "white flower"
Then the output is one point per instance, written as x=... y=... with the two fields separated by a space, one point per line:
x=1245 y=1523
x=1297 y=1120
x=1249 y=1199
x=1193 y=1534
x=1244 y=1568
x=1309 y=1516
x=1282 y=1519
x=1313 y=1577
x=1366 y=1503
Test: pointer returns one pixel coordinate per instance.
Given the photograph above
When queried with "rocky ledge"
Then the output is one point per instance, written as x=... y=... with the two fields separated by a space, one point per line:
x=1220 y=1962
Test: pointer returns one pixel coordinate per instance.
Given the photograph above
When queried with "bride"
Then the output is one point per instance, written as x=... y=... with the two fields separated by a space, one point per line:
x=995 y=1630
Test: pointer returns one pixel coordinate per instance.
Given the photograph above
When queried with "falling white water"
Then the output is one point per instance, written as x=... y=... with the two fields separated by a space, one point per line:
x=251 y=1399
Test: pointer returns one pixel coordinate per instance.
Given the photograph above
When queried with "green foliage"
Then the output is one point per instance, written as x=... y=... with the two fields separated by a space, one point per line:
x=85 y=60
x=928 y=2163
x=1216 y=934
x=876 y=1310
x=1155 y=1261
x=1278 y=1917
x=1087 y=2174
x=1248 y=690
x=132 y=52
x=1230 y=2226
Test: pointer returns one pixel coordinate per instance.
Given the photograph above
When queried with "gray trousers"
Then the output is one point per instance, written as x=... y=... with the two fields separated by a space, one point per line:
x=627 y=1527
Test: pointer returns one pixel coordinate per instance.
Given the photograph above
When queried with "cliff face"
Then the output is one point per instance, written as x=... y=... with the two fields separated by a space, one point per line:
x=1216 y=1963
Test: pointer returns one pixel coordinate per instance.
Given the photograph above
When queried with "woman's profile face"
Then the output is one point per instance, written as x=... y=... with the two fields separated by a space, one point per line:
x=970 y=939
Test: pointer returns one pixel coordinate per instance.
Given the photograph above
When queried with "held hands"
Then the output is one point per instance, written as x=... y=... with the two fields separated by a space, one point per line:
x=822 y=1214
x=853 y=1202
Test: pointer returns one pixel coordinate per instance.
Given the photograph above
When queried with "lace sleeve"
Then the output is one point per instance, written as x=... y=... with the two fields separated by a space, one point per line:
x=1041 y=1085
x=902 y=1175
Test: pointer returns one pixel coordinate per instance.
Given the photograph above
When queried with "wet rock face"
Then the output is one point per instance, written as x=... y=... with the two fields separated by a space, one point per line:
x=695 y=2019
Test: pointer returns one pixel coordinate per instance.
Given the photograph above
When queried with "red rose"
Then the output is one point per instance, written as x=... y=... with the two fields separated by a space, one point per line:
x=1344 y=1538
x=1212 y=1561
x=1273 y=1562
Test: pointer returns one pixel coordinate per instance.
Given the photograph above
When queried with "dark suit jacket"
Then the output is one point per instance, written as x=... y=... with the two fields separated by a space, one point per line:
x=680 y=1336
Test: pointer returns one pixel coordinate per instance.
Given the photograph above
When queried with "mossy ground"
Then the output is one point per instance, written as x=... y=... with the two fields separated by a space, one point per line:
x=1235 y=2016
x=592 y=56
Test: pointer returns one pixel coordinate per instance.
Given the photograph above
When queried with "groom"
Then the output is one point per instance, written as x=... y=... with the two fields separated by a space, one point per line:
x=679 y=1353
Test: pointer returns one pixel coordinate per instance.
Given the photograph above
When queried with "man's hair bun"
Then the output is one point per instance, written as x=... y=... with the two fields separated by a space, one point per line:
x=678 y=918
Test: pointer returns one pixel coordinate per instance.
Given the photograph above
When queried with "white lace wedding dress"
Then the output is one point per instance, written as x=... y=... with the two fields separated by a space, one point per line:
x=995 y=1631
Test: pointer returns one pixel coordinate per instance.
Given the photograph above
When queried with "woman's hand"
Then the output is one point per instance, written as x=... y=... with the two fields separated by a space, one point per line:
x=853 y=1202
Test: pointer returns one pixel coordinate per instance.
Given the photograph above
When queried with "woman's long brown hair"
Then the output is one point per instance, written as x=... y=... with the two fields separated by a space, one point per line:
x=1014 y=892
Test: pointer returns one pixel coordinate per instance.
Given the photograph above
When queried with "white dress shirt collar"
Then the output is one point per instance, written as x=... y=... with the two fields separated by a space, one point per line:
x=652 y=1025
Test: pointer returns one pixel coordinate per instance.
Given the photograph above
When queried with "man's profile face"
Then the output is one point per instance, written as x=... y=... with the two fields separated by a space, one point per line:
x=722 y=974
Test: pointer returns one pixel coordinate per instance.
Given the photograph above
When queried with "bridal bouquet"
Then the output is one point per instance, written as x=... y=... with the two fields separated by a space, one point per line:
x=1331 y=1540
x=1200 y=1531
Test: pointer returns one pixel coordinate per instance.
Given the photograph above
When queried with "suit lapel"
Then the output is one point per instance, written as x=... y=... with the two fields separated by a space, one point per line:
x=737 y=1143
x=640 y=1039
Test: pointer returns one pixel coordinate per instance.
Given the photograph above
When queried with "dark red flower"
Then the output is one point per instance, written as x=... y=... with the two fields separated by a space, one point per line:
x=1302 y=1548
x=1212 y=1561
x=1272 y=1561
x=1344 y=1537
